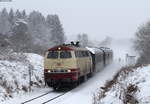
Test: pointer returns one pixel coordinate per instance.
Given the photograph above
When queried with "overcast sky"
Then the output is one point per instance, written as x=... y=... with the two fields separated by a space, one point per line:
x=98 y=18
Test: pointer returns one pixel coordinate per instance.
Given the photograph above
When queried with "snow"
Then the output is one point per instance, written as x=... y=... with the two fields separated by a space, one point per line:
x=121 y=47
x=93 y=50
x=141 y=76
x=14 y=75
x=22 y=21
x=138 y=77
x=21 y=98
x=82 y=94
x=37 y=63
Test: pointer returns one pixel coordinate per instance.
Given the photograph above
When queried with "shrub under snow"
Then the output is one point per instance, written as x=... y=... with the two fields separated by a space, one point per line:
x=129 y=86
x=14 y=74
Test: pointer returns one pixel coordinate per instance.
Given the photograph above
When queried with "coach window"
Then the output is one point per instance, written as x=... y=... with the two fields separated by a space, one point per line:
x=87 y=54
x=84 y=54
x=52 y=54
x=81 y=53
x=76 y=54
x=65 y=54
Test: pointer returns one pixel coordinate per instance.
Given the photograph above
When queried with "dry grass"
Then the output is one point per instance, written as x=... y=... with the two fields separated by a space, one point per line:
x=129 y=95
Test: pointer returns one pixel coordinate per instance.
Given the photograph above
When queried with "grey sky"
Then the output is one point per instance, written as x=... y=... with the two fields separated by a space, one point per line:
x=98 y=18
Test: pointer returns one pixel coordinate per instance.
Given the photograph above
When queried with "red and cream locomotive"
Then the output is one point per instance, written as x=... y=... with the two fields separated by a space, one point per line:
x=68 y=64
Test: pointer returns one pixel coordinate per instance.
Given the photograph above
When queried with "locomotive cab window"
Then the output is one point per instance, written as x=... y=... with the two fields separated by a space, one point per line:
x=52 y=54
x=65 y=54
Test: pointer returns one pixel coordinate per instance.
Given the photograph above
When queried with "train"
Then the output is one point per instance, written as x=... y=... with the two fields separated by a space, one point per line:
x=70 y=64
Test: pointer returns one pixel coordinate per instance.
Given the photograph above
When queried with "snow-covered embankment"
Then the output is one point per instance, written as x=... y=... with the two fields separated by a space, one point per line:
x=130 y=85
x=14 y=74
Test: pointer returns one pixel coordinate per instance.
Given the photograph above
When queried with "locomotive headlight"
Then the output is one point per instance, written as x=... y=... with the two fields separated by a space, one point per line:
x=69 y=71
x=59 y=48
x=49 y=71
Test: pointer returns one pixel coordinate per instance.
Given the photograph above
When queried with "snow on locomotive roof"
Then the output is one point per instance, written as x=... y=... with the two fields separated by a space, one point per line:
x=97 y=50
x=93 y=50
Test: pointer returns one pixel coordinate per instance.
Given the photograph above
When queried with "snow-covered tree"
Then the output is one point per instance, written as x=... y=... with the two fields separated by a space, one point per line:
x=4 y=22
x=18 y=14
x=55 y=26
x=38 y=29
x=21 y=39
x=11 y=17
x=24 y=14
x=21 y=28
x=142 y=43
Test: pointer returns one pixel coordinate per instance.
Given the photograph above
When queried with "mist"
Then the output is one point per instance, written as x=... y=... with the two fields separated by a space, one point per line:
x=97 y=18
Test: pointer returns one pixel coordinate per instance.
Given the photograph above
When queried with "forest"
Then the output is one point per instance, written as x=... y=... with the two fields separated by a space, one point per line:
x=33 y=32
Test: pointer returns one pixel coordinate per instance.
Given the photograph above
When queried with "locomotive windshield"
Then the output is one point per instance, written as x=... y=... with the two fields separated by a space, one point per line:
x=52 y=54
x=65 y=54
x=61 y=54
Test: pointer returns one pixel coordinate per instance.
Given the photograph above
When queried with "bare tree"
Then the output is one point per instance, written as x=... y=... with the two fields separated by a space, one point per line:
x=83 y=39
x=106 y=42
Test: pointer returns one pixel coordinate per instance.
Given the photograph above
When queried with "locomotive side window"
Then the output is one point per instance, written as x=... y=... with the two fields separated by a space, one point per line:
x=52 y=54
x=81 y=54
x=86 y=54
x=77 y=54
x=65 y=54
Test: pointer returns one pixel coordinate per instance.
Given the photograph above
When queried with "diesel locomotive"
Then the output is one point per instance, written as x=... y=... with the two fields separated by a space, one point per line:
x=69 y=64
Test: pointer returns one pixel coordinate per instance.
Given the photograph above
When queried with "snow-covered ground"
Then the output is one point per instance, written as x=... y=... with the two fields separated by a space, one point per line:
x=83 y=94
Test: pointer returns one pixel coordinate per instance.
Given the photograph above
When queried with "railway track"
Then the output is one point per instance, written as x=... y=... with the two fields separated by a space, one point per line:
x=53 y=98
x=45 y=98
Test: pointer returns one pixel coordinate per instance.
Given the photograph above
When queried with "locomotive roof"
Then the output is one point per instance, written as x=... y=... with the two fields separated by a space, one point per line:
x=66 y=47
x=93 y=50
